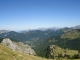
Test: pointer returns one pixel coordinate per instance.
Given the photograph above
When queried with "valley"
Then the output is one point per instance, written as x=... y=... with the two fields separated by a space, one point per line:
x=63 y=43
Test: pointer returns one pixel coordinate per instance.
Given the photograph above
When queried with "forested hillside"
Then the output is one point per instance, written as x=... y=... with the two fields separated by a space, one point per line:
x=40 y=41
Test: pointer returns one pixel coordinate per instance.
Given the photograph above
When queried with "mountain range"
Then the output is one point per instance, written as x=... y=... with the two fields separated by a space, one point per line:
x=3 y=31
x=65 y=39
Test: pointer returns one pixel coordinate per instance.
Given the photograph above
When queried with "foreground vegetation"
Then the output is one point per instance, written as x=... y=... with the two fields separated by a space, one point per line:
x=8 y=54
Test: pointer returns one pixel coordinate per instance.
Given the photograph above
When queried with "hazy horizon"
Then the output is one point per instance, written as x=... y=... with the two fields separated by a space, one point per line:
x=40 y=28
x=34 y=14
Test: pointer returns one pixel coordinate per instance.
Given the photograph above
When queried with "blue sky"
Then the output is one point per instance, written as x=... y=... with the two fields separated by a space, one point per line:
x=32 y=14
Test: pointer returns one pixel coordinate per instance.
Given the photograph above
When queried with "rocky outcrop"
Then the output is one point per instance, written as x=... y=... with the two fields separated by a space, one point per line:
x=19 y=46
x=50 y=51
x=54 y=51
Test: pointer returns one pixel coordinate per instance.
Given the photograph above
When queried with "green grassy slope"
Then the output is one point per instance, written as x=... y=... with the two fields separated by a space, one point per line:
x=74 y=34
x=8 y=54
x=70 y=40
x=54 y=51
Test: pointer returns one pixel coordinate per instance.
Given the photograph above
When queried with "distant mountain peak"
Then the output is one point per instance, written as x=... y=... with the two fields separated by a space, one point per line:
x=51 y=28
x=76 y=27
x=4 y=31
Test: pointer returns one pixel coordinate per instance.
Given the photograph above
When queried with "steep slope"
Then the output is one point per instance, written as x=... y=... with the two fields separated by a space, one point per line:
x=54 y=51
x=8 y=54
x=64 y=41
x=19 y=46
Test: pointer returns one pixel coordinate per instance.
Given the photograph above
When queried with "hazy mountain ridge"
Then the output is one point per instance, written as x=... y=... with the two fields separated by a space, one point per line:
x=41 y=29
x=4 y=31
x=76 y=27
x=28 y=35
x=52 y=28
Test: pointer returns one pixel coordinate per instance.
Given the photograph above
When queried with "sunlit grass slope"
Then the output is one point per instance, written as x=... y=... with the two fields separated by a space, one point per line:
x=8 y=54
x=74 y=34
x=62 y=51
